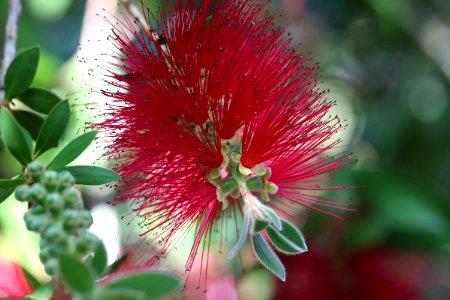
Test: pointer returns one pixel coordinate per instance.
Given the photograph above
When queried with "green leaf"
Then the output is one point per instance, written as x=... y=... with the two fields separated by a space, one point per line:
x=53 y=127
x=273 y=217
x=40 y=100
x=154 y=284
x=17 y=140
x=289 y=240
x=267 y=257
x=260 y=225
x=91 y=175
x=21 y=72
x=44 y=292
x=119 y=294
x=10 y=183
x=5 y=193
x=72 y=150
x=30 y=121
x=100 y=259
x=76 y=275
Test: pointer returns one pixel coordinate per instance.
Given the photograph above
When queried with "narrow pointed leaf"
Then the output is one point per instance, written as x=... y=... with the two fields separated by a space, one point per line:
x=267 y=257
x=30 y=121
x=53 y=127
x=76 y=275
x=21 y=72
x=154 y=284
x=5 y=193
x=17 y=140
x=242 y=235
x=10 y=183
x=273 y=217
x=40 y=100
x=72 y=150
x=289 y=240
x=92 y=175
x=100 y=259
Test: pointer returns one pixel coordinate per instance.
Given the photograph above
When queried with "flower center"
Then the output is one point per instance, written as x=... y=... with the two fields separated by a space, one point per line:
x=233 y=181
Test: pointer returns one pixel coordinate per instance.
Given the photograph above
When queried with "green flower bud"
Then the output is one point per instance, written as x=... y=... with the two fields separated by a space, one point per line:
x=85 y=218
x=37 y=193
x=21 y=192
x=86 y=242
x=35 y=169
x=51 y=266
x=54 y=203
x=272 y=188
x=66 y=180
x=37 y=209
x=54 y=234
x=50 y=180
x=70 y=197
x=49 y=251
x=35 y=223
x=70 y=219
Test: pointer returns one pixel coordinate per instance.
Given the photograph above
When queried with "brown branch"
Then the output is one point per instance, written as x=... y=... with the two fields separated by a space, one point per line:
x=10 y=41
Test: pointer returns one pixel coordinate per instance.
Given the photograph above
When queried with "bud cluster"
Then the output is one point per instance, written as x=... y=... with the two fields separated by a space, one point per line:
x=57 y=213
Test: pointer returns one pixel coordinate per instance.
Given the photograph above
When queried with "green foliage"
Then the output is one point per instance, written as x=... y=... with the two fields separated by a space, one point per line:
x=40 y=100
x=10 y=183
x=53 y=128
x=44 y=292
x=267 y=257
x=72 y=150
x=30 y=121
x=76 y=275
x=91 y=175
x=100 y=259
x=21 y=72
x=153 y=284
x=17 y=140
x=5 y=193
x=288 y=240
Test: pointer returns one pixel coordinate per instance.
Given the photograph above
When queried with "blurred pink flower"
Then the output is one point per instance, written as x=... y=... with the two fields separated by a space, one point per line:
x=13 y=281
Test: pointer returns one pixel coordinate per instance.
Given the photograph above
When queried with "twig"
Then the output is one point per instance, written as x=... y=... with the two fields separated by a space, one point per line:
x=10 y=41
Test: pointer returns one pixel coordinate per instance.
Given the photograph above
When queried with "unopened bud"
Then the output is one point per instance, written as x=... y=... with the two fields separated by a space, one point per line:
x=35 y=169
x=21 y=192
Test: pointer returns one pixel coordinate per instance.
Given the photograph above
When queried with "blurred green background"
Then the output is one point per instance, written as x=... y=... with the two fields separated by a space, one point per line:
x=387 y=64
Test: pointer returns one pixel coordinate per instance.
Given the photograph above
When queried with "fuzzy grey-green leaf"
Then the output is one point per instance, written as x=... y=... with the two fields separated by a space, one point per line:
x=267 y=257
x=289 y=240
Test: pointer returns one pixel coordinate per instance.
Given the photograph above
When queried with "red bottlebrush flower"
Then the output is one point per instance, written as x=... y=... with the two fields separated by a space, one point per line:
x=13 y=281
x=213 y=115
